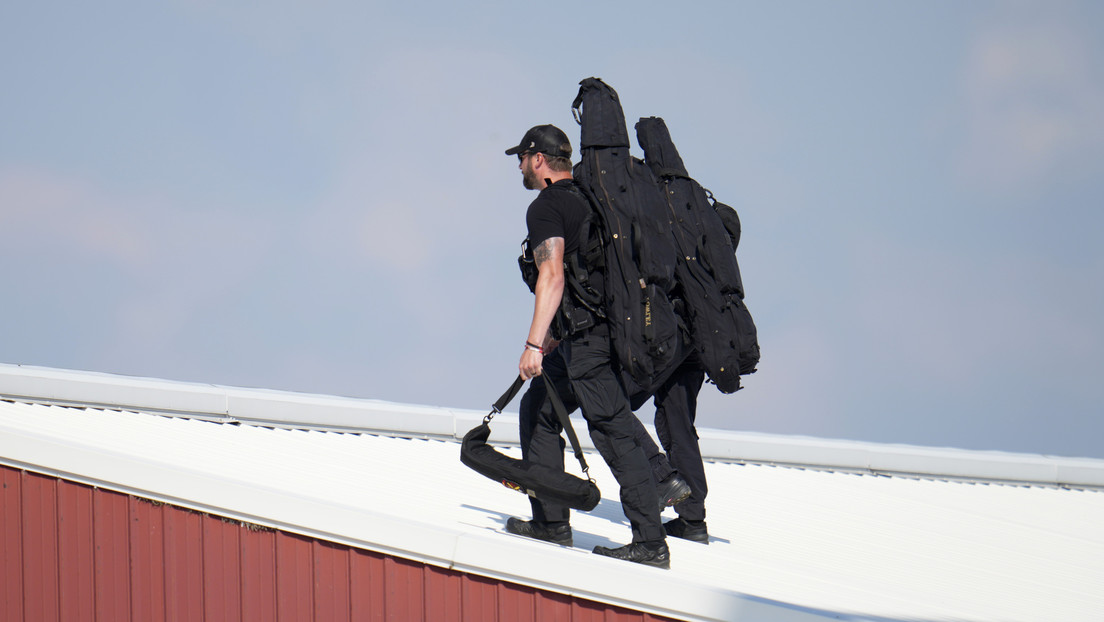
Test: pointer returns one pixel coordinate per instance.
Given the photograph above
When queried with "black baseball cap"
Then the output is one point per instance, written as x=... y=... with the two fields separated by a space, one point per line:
x=546 y=139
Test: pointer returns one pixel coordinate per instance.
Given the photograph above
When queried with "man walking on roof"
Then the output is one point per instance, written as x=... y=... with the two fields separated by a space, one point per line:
x=555 y=221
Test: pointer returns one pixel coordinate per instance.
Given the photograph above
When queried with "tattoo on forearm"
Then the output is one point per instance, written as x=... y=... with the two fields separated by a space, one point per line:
x=543 y=252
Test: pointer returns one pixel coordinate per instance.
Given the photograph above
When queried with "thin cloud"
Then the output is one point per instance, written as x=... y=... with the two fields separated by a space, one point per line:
x=1032 y=102
x=42 y=210
x=171 y=260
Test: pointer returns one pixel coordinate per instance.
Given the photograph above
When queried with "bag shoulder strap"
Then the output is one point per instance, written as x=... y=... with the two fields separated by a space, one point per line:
x=565 y=421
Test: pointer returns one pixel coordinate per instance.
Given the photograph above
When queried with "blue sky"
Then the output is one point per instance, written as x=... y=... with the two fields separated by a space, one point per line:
x=313 y=197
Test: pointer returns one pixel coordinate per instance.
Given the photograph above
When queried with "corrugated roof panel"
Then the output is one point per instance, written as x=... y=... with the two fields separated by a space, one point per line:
x=788 y=543
x=300 y=411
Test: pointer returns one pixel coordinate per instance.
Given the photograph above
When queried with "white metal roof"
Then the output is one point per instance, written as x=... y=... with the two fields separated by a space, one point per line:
x=825 y=537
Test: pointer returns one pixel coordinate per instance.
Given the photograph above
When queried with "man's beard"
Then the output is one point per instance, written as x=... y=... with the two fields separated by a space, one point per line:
x=529 y=179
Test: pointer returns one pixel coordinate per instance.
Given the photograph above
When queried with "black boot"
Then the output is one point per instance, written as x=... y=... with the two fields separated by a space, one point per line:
x=681 y=528
x=556 y=533
x=650 y=555
x=672 y=490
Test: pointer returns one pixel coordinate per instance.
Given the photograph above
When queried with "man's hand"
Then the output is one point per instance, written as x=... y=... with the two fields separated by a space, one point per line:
x=530 y=365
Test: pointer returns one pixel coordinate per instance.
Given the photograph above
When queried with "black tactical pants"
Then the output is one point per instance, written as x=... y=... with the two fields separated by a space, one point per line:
x=592 y=385
x=541 y=432
x=676 y=409
x=540 y=429
x=676 y=402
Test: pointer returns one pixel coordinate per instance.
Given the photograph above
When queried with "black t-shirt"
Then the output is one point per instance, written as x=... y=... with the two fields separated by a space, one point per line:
x=557 y=212
x=560 y=211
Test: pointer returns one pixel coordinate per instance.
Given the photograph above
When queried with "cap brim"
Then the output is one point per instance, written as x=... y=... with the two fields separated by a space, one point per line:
x=514 y=150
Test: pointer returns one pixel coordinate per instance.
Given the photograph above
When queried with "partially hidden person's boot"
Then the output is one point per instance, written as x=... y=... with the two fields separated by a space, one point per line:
x=672 y=490
x=657 y=555
x=687 y=530
x=556 y=533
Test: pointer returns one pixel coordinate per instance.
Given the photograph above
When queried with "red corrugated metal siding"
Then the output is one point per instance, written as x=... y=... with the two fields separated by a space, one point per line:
x=111 y=567
x=75 y=553
x=41 y=557
x=75 y=577
x=11 y=546
x=184 y=542
x=257 y=587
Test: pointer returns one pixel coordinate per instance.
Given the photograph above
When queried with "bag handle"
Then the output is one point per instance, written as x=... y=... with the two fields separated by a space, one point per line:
x=505 y=399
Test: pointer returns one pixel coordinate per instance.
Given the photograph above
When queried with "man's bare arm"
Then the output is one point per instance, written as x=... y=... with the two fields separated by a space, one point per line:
x=548 y=257
x=545 y=251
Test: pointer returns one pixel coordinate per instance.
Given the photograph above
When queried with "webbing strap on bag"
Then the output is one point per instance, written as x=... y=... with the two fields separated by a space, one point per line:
x=557 y=406
x=565 y=421
x=505 y=399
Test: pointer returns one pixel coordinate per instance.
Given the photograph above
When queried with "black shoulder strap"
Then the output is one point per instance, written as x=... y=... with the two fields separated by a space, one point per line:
x=565 y=421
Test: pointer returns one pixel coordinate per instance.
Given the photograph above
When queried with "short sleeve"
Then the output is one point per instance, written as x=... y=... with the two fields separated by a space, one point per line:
x=543 y=222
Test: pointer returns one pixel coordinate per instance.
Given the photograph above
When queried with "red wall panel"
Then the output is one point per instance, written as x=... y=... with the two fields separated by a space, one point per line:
x=367 y=575
x=552 y=607
x=258 y=574
x=111 y=562
x=445 y=590
x=76 y=584
x=40 y=552
x=294 y=578
x=147 y=560
x=76 y=553
x=220 y=575
x=11 y=544
x=404 y=589
x=517 y=602
x=331 y=581
x=183 y=544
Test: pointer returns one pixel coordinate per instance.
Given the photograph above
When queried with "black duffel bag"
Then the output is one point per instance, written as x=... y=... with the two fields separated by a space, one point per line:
x=536 y=480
